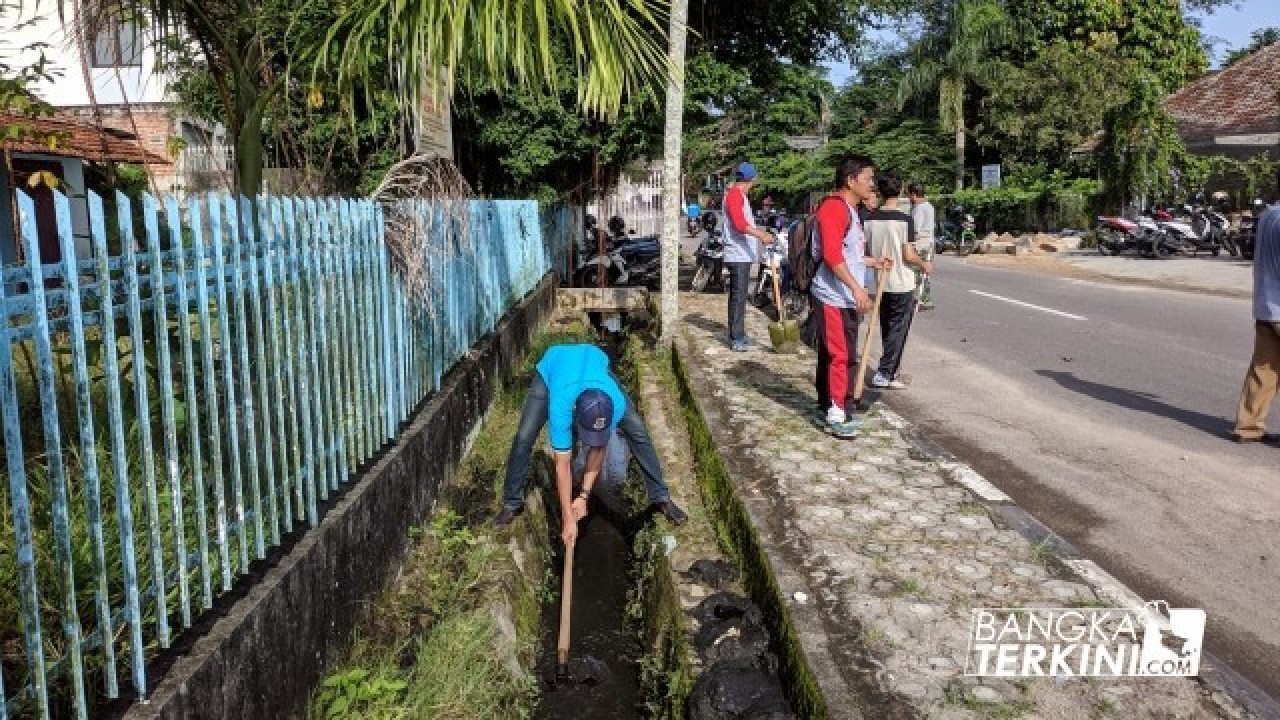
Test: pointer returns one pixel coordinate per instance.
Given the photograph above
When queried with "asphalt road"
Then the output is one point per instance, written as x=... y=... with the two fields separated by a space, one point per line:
x=1104 y=409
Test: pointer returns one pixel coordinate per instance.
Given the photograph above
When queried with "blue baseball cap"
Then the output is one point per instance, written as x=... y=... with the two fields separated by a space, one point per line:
x=745 y=171
x=593 y=416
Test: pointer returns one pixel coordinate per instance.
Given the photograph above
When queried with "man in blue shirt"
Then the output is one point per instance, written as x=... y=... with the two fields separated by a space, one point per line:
x=1263 y=378
x=574 y=394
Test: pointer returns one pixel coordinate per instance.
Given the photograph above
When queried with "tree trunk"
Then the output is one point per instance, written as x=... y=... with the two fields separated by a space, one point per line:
x=249 y=153
x=960 y=138
x=672 y=190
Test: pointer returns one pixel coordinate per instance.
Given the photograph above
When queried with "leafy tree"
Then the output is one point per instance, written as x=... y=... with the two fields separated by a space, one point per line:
x=368 y=44
x=1033 y=122
x=1260 y=38
x=949 y=62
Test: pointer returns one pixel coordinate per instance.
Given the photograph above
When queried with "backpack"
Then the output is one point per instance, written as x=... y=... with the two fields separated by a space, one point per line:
x=800 y=253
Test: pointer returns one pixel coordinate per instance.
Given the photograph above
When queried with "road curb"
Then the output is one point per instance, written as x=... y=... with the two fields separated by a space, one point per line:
x=1215 y=675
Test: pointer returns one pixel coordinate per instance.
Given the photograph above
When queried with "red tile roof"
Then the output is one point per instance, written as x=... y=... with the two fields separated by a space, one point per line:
x=1237 y=100
x=78 y=139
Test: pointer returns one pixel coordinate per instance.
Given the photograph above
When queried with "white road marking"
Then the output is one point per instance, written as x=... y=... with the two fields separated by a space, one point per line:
x=1051 y=311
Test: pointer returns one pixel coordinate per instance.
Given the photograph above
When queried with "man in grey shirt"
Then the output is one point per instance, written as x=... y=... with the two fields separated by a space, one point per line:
x=924 y=221
x=1264 y=371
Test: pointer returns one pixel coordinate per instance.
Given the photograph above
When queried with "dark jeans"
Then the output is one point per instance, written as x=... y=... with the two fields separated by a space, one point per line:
x=534 y=415
x=895 y=322
x=739 y=282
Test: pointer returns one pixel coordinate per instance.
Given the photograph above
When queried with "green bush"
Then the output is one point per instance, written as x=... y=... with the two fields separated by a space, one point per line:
x=1045 y=204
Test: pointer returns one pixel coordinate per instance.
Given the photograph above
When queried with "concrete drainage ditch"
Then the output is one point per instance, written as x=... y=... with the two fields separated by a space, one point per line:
x=663 y=626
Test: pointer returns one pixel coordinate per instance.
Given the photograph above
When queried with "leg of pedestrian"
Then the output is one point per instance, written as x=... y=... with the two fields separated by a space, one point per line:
x=739 y=278
x=1260 y=383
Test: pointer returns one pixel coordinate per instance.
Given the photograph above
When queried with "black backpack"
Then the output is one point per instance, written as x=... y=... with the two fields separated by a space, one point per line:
x=804 y=261
x=800 y=253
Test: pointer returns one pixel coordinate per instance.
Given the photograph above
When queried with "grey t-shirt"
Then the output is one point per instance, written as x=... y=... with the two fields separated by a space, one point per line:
x=924 y=221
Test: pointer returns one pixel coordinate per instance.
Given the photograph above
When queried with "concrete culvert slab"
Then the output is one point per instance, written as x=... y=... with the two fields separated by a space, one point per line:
x=738 y=689
x=716 y=574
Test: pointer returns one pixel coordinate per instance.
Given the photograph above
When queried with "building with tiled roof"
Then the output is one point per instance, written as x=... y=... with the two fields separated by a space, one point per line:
x=71 y=138
x=1234 y=111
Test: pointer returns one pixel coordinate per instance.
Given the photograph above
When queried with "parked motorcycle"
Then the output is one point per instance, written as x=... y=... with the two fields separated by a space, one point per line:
x=1246 y=233
x=1117 y=235
x=961 y=237
x=1183 y=230
x=624 y=262
x=709 y=258
x=774 y=258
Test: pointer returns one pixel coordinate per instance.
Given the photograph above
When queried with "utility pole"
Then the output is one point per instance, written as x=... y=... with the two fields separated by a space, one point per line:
x=672 y=190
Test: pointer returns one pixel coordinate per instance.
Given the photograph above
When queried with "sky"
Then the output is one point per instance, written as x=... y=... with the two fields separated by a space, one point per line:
x=1227 y=28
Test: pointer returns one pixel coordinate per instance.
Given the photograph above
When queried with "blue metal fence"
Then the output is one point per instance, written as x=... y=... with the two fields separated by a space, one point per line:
x=173 y=410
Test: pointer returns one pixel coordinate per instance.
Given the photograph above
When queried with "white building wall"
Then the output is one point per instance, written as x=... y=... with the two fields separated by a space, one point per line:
x=111 y=86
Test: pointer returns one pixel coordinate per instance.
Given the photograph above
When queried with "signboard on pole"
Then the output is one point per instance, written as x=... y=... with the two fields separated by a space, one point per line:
x=990 y=176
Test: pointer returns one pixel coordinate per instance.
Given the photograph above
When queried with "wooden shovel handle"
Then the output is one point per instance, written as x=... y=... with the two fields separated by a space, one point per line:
x=566 y=607
x=777 y=293
x=861 y=380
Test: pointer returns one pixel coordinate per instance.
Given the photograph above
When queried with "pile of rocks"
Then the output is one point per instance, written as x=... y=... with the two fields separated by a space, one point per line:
x=1031 y=244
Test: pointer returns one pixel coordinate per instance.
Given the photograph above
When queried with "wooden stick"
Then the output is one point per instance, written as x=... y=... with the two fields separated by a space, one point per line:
x=861 y=380
x=566 y=607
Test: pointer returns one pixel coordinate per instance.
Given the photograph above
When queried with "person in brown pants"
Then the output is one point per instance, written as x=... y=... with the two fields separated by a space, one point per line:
x=1261 y=382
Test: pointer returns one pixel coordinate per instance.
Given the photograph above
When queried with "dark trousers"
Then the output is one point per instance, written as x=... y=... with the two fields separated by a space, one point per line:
x=739 y=282
x=534 y=415
x=895 y=322
x=837 y=340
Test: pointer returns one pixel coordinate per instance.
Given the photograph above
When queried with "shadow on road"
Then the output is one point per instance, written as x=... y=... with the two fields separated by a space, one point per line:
x=1143 y=402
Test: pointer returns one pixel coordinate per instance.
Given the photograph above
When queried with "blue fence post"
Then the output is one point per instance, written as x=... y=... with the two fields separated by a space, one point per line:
x=138 y=357
x=252 y=239
x=296 y=335
x=319 y=209
x=54 y=463
x=369 y=326
x=231 y=410
x=353 y=344
x=88 y=443
x=387 y=347
x=337 y=332
x=168 y=420
x=19 y=500
x=192 y=401
x=269 y=227
x=209 y=372
x=245 y=394
x=309 y=290
x=119 y=451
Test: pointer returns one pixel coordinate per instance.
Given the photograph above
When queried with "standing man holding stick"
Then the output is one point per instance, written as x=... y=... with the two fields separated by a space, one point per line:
x=741 y=250
x=838 y=292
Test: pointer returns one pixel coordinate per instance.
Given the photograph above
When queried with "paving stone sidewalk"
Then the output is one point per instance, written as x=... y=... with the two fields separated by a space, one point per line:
x=883 y=553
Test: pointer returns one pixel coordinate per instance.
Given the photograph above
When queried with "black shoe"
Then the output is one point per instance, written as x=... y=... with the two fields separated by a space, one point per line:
x=505 y=517
x=672 y=512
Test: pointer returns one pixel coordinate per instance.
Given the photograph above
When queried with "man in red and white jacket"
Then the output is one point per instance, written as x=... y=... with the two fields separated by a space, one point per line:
x=740 y=250
x=839 y=296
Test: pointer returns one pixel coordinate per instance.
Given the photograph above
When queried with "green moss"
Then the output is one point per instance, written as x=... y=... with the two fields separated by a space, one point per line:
x=739 y=541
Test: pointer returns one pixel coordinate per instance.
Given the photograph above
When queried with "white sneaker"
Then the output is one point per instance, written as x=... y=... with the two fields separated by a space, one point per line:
x=835 y=415
x=897 y=384
x=880 y=381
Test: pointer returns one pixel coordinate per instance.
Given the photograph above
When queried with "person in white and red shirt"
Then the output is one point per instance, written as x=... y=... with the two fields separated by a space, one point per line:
x=839 y=296
x=741 y=250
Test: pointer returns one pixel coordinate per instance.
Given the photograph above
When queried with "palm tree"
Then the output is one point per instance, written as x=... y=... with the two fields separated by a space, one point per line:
x=424 y=46
x=949 y=61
